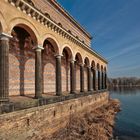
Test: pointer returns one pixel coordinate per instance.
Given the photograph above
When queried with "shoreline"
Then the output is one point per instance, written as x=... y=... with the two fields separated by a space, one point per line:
x=93 y=125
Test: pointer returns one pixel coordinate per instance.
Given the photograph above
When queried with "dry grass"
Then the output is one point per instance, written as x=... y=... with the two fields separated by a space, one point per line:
x=95 y=125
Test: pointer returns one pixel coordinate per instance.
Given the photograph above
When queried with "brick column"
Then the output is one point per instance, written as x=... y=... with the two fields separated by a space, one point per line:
x=99 y=80
x=4 y=68
x=102 y=81
x=38 y=72
x=72 y=77
x=94 y=79
x=105 y=81
x=58 y=76
x=82 y=78
x=89 y=78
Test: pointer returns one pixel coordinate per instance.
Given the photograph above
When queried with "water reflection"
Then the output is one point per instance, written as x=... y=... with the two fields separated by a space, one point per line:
x=124 y=90
x=128 y=120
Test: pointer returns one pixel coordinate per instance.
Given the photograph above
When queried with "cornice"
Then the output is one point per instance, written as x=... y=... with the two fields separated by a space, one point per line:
x=47 y=22
x=67 y=15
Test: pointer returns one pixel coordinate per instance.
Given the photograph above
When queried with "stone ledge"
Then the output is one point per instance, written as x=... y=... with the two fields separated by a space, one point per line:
x=15 y=106
x=46 y=119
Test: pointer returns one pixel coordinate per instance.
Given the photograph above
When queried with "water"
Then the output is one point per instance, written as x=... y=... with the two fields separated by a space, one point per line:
x=128 y=120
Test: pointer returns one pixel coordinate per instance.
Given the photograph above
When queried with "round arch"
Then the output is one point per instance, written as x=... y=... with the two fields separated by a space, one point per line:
x=69 y=50
x=67 y=56
x=98 y=66
x=93 y=64
x=86 y=61
x=21 y=46
x=102 y=68
x=51 y=49
x=52 y=40
x=78 y=58
x=27 y=25
x=53 y=43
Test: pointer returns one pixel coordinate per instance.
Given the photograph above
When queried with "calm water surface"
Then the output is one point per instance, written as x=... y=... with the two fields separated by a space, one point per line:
x=128 y=120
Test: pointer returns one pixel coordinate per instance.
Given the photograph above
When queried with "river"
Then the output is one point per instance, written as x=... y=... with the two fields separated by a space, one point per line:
x=128 y=120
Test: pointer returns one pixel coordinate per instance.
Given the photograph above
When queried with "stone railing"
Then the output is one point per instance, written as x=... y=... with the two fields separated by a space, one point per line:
x=10 y=107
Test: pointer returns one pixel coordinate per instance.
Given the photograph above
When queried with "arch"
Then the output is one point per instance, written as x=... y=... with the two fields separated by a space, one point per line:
x=86 y=79
x=69 y=51
x=26 y=24
x=93 y=64
x=21 y=46
x=86 y=61
x=102 y=68
x=48 y=58
x=93 y=75
x=66 y=57
x=98 y=66
x=49 y=43
x=78 y=58
x=102 y=77
x=98 y=76
x=29 y=31
x=52 y=40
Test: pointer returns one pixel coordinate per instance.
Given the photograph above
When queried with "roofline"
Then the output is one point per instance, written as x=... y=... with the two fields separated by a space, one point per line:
x=96 y=54
x=66 y=13
x=81 y=44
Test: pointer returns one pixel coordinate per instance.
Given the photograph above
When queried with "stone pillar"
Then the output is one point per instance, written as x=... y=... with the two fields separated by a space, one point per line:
x=99 y=80
x=72 y=77
x=102 y=81
x=94 y=79
x=4 y=68
x=58 y=76
x=89 y=78
x=38 y=72
x=82 y=78
x=105 y=81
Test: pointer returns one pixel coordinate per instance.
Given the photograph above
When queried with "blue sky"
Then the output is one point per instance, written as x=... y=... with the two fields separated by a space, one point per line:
x=115 y=28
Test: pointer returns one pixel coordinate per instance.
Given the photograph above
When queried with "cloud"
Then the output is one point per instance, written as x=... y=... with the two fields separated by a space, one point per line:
x=125 y=50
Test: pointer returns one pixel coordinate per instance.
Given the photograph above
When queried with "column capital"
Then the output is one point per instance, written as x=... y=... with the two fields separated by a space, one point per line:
x=4 y=36
x=81 y=64
x=89 y=67
x=72 y=60
x=58 y=56
x=38 y=48
x=93 y=68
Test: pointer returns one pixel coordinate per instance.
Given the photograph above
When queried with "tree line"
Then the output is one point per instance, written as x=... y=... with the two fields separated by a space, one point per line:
x=123 y=81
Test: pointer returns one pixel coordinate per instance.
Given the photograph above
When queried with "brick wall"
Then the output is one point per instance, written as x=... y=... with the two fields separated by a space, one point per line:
x=46 y=7
x=49 y=77
x=85 y=79
x=14 y=75
x=45 y=120
x=65 y=75
x=77 y=77
x=21 y=70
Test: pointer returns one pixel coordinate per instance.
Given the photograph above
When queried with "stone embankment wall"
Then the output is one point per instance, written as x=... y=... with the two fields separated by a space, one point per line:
x=24 y=124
